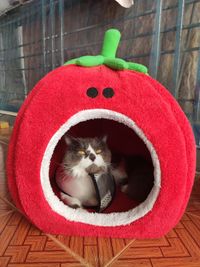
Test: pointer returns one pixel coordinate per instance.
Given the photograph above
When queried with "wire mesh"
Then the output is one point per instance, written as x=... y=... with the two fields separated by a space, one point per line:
x=42 y=35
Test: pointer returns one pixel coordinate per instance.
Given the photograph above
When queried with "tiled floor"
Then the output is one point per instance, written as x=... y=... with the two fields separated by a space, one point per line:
x=23 y=245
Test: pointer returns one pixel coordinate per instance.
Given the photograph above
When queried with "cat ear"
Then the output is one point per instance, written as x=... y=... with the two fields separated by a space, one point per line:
x=68 y=139
x=104 y=138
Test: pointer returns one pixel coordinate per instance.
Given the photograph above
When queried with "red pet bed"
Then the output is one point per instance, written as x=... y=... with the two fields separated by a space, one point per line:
x=91 y=96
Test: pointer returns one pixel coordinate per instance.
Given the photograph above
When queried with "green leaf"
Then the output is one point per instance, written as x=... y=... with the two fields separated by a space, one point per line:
x=116 y=63
x=137 y=67
x=71 y=61
x=90 y=61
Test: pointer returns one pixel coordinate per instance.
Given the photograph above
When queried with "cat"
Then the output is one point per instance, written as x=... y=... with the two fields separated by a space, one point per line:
x=84 y=156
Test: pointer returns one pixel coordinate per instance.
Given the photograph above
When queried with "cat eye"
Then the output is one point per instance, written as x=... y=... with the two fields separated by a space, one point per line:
x=81 y=152
x=98 y=151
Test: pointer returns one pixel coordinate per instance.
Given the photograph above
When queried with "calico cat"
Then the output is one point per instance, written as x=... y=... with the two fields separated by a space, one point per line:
x=84 y=156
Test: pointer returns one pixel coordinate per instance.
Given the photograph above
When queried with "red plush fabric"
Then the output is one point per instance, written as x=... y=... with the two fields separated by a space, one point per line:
x=61 y=94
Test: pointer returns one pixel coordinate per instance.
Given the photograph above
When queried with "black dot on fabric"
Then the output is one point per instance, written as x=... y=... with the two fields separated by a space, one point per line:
x=92 y=92
x=108 y=92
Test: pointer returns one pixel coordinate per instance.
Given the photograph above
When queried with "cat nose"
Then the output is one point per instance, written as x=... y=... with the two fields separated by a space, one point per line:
x=92 y=157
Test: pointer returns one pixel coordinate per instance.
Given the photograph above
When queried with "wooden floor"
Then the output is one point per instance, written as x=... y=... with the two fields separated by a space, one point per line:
x=23 y=245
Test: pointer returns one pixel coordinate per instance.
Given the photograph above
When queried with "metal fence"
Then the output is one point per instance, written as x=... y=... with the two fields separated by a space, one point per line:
x=163 y=35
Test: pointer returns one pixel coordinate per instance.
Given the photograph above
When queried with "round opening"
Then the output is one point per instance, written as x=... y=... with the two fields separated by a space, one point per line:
x=124 y=139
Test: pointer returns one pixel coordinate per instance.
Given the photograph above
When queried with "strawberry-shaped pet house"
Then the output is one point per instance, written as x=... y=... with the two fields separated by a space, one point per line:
x=91 y=96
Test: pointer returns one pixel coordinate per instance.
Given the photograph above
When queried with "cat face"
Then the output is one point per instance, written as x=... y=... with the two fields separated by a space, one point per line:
x=90 y=155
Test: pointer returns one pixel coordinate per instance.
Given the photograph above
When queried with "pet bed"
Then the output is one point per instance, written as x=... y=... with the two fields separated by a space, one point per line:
x=90 y=96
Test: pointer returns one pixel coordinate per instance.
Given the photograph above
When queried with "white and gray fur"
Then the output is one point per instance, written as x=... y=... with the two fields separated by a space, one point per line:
x=134 y=175
x=75 y=179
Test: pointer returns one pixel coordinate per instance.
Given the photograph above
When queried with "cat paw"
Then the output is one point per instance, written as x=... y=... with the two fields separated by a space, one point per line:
x=70 y=201
x=94 y=169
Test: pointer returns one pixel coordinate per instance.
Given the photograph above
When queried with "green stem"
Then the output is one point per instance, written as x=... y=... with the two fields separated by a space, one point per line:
x=110 y=43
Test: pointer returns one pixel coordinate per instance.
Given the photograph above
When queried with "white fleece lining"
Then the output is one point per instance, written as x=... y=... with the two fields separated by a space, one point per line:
x=80 y=215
